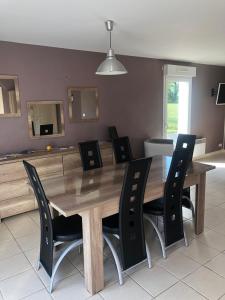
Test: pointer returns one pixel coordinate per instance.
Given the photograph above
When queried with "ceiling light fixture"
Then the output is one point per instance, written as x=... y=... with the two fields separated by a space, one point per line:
x=111 y=65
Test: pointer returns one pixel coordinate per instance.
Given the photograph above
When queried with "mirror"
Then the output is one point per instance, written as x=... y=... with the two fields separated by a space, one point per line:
x=45 y=119
x=9 y=96
x=83 y=104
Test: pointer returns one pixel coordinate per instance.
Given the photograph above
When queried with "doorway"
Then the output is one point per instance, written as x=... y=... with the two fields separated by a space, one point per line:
x=177 y=106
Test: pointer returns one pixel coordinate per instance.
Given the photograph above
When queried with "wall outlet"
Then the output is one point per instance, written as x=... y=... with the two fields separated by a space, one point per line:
x=220 y=145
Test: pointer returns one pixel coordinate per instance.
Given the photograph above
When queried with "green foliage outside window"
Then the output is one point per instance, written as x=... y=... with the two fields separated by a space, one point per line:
x=172 y=92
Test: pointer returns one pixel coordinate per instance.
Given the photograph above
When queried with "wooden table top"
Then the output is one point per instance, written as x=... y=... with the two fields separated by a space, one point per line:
x=84 y=190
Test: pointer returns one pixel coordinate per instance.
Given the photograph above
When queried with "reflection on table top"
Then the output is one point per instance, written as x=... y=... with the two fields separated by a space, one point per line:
x=84 y=190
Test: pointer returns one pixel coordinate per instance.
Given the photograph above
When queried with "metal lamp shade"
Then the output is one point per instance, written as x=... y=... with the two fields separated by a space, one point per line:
x=111 y=66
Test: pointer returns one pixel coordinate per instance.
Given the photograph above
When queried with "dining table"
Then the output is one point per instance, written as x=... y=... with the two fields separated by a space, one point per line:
x=95 y=194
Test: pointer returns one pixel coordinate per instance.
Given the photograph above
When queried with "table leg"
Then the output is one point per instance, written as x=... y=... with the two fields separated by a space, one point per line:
x=200 y=204
x=93 y=250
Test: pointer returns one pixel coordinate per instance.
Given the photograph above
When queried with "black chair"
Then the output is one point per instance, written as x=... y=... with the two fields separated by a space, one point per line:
x=122 y=150
x=53 y=231
x=187 y=141
x=46 y=129
x=170 y=206
x=90 y=155
x=112 y=132
x=127 y=226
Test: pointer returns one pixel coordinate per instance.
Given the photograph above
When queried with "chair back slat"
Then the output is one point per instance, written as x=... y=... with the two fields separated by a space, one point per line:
x=173 y=218
x=122 y=149
x=46 y=246
x=132 y=238
x=90 y=155
x=112 y=132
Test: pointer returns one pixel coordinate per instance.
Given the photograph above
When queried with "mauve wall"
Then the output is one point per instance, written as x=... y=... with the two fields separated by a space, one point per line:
x=132 y=102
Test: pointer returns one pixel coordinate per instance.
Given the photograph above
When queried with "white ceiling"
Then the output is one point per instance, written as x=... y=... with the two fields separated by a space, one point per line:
x=187 y=30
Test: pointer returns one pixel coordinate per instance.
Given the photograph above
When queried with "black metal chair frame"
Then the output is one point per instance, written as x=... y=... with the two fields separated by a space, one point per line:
x=172 y=203
x=48 y=244
x=131 y=236
x=122 y=149
x=90 y=155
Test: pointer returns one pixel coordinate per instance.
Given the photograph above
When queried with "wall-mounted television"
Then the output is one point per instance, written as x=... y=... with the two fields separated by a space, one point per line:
x=220 y=99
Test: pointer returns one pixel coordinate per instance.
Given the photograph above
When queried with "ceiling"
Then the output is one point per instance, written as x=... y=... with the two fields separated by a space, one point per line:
x=187 y=30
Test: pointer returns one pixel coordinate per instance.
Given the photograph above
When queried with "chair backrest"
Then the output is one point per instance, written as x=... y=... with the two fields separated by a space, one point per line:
x=112 y=132
x=46 y=247
x=46 y=129
x=186 y=141
x=122 y=149
x=173 y=218
x=132 y=238
x=90 y=155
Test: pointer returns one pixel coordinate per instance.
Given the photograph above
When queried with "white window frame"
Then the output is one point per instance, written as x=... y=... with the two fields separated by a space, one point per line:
x=177 y=73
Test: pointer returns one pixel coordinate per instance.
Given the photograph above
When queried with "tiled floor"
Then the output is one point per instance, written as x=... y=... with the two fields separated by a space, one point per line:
x=195 y=272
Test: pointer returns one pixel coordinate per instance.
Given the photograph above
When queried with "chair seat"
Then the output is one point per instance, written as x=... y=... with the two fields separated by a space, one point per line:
x=67 y=229
x=111 y=224
x=154 y=207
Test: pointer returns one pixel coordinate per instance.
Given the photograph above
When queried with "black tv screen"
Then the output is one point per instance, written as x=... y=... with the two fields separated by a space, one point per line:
x=220 y=99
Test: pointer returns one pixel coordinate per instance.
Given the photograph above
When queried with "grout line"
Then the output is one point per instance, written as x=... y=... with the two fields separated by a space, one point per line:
x=141 y=286
x=34 y=294
x=195 y=290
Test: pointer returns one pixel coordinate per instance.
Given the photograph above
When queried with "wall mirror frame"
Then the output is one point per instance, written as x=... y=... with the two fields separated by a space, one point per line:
x=45 y=119
x=9 y=96
x=86 y=108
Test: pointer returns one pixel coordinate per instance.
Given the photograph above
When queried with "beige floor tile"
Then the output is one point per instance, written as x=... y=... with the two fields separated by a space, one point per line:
x=179 y=265
x=21 y=285
x=29 y=242
x=14 y=265
x=214 y=216
x=41 y=295
x=207 y=283
x=77 y=259
x=9 y=248
x=220 y=228
x=95 y=297
x=214 y=197
x=199 y=251
x=5 y=234
x=35 y=216
x=180 y=291
x=21 y=225
x=110 y=271
x=213 y=239
x=65 y=269
x=71 y=288
x=155 y=280
x=32 y=255
x=129 y=290
x=222 y=298
x=217 y=264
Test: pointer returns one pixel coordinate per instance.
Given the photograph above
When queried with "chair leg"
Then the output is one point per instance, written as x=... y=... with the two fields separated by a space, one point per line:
x=192 y=206
x=159 y=235
x=116 y=258
x=186 y=239
x=64 y=253
x=192 y=210
x=148 y=256
x=38 y=264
